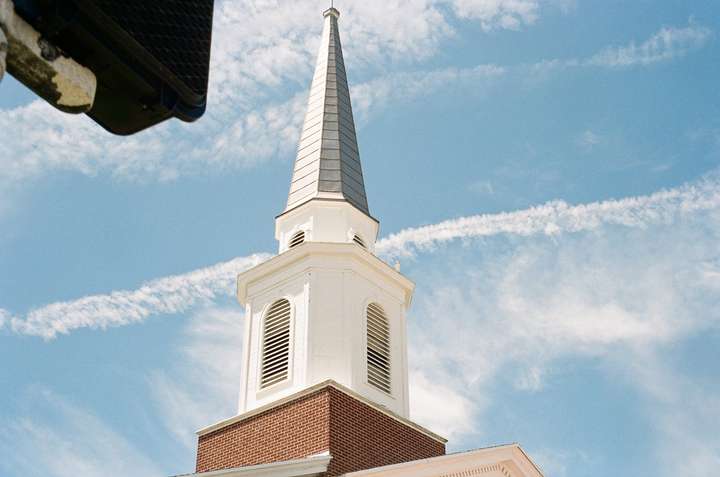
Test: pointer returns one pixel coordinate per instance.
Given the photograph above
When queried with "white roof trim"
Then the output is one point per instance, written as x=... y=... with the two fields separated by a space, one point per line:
x=509 y=460
x=308 y=467
x=306 y=249
x=310 y=390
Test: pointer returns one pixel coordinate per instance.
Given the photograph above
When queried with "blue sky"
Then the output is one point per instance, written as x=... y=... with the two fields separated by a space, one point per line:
x=546 y=171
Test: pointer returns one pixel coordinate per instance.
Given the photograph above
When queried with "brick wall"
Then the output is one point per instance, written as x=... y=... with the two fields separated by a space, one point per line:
x=362 y=437
x=290 y=431
x=357 y=435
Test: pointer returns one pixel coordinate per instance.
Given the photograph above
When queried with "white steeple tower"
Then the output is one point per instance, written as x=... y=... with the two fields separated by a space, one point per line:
x=326 y=308
x=324 y=386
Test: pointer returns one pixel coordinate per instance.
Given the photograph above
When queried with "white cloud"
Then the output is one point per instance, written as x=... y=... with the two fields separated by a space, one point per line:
x=260 y=45
x=588 y=140
x=69 y=443
x=54 y=142
x=179 y=293
x=635 y=277
x=530 y=379
x=264 y=46
x=202 y=386
x=4 y=317
x=439 y=407
x=667 y=44
x=262 y=60
x=509 y=14
x=376 y=94
x=229 y=137
x=168 y=295
x=483 y=187
x=558 y=217
x=680 y=408
x=621 y=296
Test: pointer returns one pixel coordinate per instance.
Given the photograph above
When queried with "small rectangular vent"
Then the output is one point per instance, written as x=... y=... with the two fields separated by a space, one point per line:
x=378 y=348
x=297 y=239
x=358 y=240
x=276 y=344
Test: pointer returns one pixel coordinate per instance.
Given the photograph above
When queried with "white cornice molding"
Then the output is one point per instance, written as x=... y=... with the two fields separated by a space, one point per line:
x=308 y=467
x=310 y=390
x=307 y=249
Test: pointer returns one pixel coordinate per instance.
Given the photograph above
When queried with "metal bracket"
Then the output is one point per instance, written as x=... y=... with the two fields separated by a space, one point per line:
x=38 y=64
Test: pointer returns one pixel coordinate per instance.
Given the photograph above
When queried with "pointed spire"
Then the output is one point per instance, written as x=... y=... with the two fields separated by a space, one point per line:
x=328 y=160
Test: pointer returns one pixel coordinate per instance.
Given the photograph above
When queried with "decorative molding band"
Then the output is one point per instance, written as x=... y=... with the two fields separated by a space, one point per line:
x=313 y=465
x=486 y=469
x=507 y=460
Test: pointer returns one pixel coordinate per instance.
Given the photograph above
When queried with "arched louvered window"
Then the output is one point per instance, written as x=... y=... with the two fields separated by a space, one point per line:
x=378 y=348
x=297 y=239
x=358 y=240
x=276 y=344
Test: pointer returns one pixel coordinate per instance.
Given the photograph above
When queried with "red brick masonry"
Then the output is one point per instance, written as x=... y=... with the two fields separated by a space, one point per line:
x=357 y=436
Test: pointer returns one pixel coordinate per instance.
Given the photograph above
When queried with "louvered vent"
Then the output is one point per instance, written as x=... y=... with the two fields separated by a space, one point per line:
x=378 y=348
x=276 y=344
x=297 y=239
x=358 y=240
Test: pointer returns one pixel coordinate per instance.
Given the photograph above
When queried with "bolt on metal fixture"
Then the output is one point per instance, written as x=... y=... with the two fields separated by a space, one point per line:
x=47 y=50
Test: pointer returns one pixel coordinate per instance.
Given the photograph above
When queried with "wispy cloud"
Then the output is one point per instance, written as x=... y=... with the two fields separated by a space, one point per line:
x=179 y=293
x=667 y=44
x=258 y=47
x=264 y=46
x=168 y=295
x=588 y=140
x=55 y=142
x=624 y=297
x=441 y=407
x=680 y=407
x=395 y=88
x=4 y=317
x=558 y=217
x=499 y=13
x=202 y=385
x=69 y=442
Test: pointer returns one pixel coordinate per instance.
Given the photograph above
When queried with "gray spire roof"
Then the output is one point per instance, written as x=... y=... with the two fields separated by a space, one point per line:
x=328 y=160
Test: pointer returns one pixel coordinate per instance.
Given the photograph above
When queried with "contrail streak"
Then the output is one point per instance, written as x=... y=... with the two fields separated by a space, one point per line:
x=168 y=295
x=178 y=293
x=558 y=217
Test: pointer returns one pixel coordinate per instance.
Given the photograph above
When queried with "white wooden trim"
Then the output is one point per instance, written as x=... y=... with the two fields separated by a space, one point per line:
x=310 y=390
x=310 y=466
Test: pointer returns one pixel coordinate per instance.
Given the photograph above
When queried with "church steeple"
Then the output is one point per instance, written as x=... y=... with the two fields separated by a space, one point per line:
x=324 y=384
x=328 y=160
x=327 y=201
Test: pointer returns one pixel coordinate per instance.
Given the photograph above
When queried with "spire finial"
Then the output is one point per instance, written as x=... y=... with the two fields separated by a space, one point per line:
x=332 y=10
